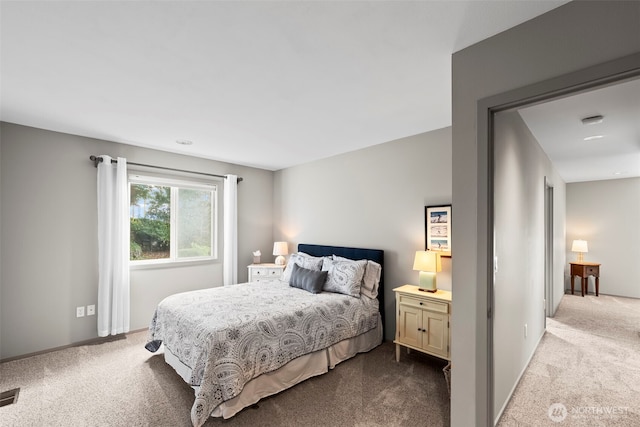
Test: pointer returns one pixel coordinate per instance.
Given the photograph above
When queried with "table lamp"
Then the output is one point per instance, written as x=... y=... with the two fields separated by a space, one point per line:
x=428 y=264
x=280 y=249
x=580 y=246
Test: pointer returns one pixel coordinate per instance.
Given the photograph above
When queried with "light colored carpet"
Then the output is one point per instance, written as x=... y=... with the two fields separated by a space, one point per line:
x=588 y=361
x=587 y=365
x=119 y=383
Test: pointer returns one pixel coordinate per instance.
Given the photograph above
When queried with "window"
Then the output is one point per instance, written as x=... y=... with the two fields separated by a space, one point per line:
x=171 y=220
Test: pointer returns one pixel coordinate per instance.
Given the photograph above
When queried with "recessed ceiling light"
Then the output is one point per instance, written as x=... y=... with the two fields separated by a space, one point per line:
x=184 y=142
x=592 y=137
x=592 y=120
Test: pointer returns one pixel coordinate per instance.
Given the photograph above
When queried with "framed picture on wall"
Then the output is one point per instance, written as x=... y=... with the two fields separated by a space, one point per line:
x=437 y=224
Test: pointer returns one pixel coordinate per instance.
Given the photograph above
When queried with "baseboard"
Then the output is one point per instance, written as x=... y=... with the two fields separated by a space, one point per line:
x=92 y=341
x=513 y=389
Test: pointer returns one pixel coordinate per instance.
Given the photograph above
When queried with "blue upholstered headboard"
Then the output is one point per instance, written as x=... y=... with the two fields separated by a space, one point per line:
x=376 y=255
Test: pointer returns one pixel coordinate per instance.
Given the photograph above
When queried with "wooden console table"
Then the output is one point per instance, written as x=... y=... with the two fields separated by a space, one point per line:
x=584 y=270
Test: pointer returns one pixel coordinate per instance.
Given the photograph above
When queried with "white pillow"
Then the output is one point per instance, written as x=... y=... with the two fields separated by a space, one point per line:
x=344 y=276
x=302 y=260
x=371 y=278
x=316 y=258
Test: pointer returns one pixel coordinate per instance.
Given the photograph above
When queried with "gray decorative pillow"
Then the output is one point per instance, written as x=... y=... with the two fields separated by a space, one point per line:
x=344 y=276
x=309 y=280
x=302 y=260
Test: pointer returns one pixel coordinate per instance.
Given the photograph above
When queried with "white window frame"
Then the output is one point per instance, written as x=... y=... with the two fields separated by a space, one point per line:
x=175 y=185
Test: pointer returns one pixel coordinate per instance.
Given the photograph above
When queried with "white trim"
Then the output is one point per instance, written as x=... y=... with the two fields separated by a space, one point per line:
x=143 y=264
x=169 y=182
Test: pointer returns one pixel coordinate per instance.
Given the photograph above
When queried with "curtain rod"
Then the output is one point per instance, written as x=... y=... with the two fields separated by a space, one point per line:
x=96 y=160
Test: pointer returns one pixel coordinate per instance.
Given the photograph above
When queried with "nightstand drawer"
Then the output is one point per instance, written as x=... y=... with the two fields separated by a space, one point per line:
x=266 y=273
x=260 y=272
x=421 y=303
x=592 y=271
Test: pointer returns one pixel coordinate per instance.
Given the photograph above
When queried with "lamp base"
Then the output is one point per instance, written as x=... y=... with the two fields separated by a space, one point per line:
x=580 y=257
x=427 y=282
x=280 y=260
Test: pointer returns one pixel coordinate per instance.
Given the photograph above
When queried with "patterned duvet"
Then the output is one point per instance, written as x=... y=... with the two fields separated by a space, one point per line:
x=230 y=335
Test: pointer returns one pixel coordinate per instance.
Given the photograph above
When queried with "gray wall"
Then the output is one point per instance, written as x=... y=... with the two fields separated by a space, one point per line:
x=607 y=215
x=49 y=238
x=521 y=168
x=370 y=198
x=567 y=39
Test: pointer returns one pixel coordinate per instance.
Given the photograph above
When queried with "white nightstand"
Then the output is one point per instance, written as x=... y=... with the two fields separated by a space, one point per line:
x=422 y=321
x=266 y=273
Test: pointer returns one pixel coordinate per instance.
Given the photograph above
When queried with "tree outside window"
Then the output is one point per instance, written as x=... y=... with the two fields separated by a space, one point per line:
x=171 y=222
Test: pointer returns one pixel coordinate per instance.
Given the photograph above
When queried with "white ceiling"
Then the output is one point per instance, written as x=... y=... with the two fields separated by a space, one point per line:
x=264 y=84
x=558 y=127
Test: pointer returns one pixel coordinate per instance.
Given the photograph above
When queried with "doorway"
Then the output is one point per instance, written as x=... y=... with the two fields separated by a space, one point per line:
x=511 y=241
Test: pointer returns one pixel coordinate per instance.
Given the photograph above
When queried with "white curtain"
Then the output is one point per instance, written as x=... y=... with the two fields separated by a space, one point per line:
x=230 y=266
x=113 y=247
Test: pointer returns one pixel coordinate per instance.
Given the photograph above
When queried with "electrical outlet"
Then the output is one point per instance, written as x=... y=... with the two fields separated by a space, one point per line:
x=91 y=310
x=525 y=330
x=80 y=311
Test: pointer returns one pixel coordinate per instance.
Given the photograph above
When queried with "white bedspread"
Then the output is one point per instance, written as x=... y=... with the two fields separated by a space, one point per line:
x=230 y=335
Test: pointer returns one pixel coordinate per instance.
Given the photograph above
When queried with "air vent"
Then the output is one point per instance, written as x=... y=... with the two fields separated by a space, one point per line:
x=9 y=397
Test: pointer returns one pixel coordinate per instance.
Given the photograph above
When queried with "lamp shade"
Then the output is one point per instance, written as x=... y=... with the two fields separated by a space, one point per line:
x=280 y=249
x=427 y=261
x=579 y=246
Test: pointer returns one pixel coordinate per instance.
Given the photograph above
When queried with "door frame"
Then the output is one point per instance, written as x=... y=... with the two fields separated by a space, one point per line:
x=596 y=76
x=548 y=249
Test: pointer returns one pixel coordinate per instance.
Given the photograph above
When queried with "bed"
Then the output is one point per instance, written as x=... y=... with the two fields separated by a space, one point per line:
x=238 y=344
